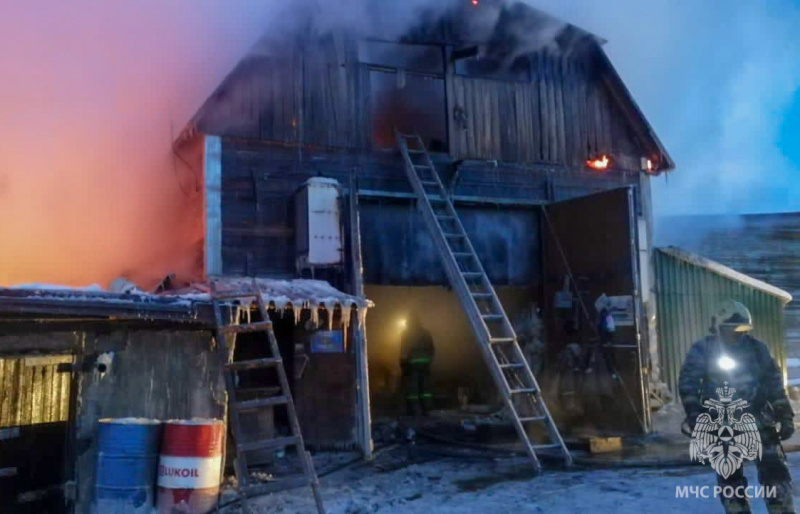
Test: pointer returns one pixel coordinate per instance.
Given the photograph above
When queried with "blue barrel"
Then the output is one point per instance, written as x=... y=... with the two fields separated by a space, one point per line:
x=127 y=461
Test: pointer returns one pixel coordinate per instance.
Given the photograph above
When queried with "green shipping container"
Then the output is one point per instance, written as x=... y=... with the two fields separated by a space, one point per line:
x=688 y=289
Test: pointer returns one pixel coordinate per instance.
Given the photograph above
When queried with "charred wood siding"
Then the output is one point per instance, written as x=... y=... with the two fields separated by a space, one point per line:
x=399 y=251
x=259 y=179
x=564 y=115
x=317 y=94
x=293 y=93
x=258 y=183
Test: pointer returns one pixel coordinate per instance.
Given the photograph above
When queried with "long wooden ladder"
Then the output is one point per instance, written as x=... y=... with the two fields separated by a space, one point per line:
x=489 y=322
x=273 y=360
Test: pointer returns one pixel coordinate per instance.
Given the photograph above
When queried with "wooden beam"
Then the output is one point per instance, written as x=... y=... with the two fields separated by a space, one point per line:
x=449 y=97
x=458 y=199
x=212 y=219
x=363 y=414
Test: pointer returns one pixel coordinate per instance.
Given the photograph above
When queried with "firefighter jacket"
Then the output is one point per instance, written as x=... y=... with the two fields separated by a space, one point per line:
x=416 y=346
x=755 y=376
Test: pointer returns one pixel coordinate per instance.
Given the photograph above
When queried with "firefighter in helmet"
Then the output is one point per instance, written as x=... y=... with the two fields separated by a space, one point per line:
x=416 y=355
x=731 y=365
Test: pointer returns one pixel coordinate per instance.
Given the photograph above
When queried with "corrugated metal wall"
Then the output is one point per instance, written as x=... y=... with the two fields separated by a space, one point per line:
x=34 y=390
x=687 y=296
x=764 y=246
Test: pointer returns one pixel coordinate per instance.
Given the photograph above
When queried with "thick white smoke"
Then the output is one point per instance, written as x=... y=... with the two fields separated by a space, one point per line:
x=716 y=79
x=92 y=91
x=90 y=94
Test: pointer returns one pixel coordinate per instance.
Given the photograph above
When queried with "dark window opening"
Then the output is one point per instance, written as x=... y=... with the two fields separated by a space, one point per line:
x=419 y=58
x=412 y=104
x=485 y=67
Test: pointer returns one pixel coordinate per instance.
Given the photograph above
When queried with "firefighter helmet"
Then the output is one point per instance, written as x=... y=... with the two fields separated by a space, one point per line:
x=732 y=314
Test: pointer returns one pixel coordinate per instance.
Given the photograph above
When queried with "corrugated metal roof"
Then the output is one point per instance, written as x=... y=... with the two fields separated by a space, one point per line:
x=698 y=260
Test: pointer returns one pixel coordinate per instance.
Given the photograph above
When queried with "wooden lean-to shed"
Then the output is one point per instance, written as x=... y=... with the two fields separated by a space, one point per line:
x=69 y=358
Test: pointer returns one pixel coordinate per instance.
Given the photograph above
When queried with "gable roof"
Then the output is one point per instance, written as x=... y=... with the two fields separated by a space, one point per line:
x=518 y=26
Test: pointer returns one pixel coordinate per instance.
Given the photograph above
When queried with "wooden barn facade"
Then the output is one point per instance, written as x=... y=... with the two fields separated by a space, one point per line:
x=511 y=105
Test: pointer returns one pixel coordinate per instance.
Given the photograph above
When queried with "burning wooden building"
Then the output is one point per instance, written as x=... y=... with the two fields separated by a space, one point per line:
x=306 y=155
x=535 y=140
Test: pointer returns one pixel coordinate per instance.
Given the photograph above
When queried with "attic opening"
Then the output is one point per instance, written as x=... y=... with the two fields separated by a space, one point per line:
x=405 y=81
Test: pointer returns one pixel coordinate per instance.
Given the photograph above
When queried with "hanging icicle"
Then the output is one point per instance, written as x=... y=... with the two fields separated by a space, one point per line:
x=362 y=317
x=345 y=319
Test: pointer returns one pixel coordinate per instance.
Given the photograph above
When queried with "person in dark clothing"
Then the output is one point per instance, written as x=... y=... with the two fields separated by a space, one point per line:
x=416 y=356
x=730 y=359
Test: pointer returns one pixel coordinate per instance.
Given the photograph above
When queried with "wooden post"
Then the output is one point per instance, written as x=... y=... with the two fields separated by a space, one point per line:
x=449 y=96
x=212 y=203
x=363 y=414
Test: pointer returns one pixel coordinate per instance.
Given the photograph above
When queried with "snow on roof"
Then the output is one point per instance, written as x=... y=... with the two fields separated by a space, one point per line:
x=50 y=299
x=282 y=294
x=720 y=269
x=94 y=288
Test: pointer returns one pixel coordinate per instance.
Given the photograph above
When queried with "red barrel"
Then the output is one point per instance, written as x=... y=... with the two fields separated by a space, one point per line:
x=189 y=466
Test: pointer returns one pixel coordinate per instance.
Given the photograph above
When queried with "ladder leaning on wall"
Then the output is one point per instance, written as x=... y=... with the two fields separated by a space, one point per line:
x=489 y=322
x=272 y=359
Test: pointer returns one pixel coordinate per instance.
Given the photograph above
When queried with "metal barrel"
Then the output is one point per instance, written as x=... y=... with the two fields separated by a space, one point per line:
x=189 y=470
x=127 y=453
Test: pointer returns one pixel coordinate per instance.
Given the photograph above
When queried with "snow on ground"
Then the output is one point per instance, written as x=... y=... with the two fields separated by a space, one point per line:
x=451 y=486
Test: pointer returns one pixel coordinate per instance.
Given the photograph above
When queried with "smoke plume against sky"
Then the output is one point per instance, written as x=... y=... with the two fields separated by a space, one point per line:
x=720 y=83
x=92 y=91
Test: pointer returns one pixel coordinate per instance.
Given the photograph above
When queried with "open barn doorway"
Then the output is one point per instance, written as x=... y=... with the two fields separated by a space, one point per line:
x=592 y=314
x=460 y=382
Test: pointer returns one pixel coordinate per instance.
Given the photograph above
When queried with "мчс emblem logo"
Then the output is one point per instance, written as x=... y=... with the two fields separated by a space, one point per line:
x=725 y=440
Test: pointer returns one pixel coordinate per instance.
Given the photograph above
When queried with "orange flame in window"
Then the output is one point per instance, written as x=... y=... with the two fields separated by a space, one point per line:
x=600 y=163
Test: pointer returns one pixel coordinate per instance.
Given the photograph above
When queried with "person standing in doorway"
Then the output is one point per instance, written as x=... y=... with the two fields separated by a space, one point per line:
x=416 y=357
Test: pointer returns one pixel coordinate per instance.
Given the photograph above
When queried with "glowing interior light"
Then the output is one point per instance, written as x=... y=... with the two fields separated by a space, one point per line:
x=725 y=363
x=475 y=2
x=401 y=323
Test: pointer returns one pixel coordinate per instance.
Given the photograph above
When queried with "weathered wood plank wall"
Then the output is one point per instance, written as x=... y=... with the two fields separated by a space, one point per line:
x=259 y=180
x=292 y=93
x=158 y=374
x=564 y=115
x=316 y=93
